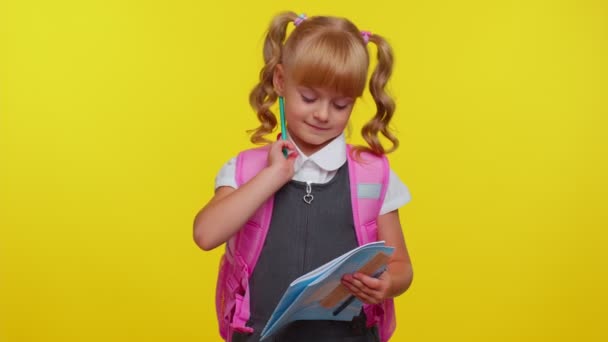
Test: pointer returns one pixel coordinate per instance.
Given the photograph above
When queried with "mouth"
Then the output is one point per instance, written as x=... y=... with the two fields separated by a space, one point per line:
x=317 y=127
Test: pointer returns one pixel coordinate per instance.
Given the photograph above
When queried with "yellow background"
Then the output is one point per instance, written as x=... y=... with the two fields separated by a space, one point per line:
x=116 y=115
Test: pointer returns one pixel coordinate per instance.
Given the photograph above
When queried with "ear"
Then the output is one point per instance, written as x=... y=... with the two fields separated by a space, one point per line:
x=278 y=79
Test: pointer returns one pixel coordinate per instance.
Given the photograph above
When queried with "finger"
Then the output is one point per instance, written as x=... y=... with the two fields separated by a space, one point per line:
x=276 y=150
x=365 y=282
x=352 y=288
x=292 y=156
x=368 y=299
x=360 y=287
x=357 y=287
x=281 y=145
x=284 y=143
x=289 y=144
x=277 y=146
x=362 y=295
x=371 y=282
x=354 y=282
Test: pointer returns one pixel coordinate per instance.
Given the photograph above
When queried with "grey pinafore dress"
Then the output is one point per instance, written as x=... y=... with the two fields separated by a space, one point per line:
x=302 y=237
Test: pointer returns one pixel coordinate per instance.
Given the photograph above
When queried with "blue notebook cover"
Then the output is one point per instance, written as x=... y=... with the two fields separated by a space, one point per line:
x=320 y=295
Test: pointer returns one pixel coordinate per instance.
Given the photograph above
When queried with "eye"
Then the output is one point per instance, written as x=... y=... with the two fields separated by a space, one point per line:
x=307 y=99
x=340 y=107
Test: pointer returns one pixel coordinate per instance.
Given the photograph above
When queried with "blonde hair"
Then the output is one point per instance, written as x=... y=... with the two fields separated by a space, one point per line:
x=325 y=52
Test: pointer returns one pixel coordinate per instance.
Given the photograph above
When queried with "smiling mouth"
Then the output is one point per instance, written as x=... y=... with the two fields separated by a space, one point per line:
x=317 y=127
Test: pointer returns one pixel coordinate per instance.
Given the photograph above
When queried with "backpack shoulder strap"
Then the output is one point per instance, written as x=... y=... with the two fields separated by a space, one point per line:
x=369 y=176
x=248 y=242
x=249 y=163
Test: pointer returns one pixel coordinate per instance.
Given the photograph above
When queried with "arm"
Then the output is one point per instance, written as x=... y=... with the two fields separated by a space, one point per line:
x=229 y=209
x=399 y=274
x=400 y=266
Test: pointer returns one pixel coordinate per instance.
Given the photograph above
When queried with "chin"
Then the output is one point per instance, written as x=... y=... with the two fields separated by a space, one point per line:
x=318 y=143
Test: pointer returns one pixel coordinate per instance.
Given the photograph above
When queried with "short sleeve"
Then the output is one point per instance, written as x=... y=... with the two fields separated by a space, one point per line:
x=227 y=175
x=397 y=194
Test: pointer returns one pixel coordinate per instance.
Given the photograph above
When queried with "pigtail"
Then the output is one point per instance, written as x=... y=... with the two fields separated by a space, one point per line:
x=384 y=103
x=263 y=95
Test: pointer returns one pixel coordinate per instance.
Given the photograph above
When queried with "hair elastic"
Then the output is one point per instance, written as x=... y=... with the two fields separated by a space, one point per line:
x=366 y=35
x=299 y=19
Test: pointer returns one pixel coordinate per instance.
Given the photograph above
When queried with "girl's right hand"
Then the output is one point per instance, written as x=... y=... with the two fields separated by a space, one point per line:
x=282 y=167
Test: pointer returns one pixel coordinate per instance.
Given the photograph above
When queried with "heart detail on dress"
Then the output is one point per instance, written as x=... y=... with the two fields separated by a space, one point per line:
x=308 y=198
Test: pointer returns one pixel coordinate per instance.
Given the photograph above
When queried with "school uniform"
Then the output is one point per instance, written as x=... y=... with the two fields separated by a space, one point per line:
x=304 y=235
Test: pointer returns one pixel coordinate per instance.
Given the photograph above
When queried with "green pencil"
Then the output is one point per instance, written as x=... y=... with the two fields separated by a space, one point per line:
x=283 y=126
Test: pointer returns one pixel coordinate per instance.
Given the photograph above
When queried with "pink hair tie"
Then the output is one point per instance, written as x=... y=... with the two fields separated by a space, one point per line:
x=299 y=19
x=366 y=35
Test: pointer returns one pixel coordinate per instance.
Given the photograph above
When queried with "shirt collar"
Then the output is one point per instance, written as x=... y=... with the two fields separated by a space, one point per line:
x=329 y=158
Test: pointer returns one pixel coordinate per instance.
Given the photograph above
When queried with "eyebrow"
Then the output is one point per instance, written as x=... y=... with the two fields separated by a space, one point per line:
x=318 y=92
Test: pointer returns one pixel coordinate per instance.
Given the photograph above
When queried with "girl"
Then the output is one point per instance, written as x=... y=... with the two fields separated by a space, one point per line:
x=292 y=214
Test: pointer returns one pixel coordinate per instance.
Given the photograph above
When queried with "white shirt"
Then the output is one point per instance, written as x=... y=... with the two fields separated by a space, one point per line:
x=321 y=167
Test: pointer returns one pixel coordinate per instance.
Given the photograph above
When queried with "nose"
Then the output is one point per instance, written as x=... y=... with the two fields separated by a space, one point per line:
x=322 y=113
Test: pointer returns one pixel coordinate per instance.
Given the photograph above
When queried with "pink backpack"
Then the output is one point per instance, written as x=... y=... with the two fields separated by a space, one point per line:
x=368 y=184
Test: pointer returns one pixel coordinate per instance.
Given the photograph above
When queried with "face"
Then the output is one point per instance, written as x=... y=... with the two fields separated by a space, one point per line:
x=314 y=116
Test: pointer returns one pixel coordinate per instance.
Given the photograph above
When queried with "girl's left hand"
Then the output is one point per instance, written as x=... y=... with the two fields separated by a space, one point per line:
x=368 y=289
